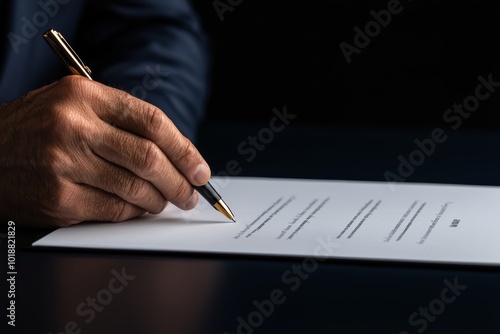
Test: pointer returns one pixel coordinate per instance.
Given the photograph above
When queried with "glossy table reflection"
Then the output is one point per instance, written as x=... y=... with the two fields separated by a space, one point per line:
x=66 y=291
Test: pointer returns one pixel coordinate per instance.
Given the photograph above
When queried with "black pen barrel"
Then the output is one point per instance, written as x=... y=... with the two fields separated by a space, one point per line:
x=209 y=193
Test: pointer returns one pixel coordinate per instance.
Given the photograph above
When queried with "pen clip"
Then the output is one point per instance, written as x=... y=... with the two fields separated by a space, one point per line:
x=62 y=48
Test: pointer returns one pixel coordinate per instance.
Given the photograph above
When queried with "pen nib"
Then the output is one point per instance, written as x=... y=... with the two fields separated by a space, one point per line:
x=222 y=208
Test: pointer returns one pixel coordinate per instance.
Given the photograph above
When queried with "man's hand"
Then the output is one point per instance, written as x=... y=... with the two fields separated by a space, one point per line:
x=77 y=150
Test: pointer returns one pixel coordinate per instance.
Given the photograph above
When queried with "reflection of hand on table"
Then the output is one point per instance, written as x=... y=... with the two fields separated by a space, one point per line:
x=161 y=295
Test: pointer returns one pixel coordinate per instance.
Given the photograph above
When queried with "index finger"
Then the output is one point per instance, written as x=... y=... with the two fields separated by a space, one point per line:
x=144 y=119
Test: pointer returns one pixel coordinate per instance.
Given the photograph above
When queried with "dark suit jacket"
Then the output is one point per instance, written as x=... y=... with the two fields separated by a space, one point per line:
x=154 y=49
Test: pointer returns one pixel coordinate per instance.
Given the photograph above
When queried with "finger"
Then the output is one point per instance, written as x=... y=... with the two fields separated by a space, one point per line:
x=139 y=117
x=79 y=203
x=113 y=179
x=143 y=158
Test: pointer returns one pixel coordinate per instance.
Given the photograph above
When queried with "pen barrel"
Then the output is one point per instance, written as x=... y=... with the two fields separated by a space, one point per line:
x=209 y=193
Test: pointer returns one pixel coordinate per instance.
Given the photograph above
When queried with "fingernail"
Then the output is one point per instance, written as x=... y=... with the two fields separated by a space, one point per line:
x=193 y=200
x=202 y=174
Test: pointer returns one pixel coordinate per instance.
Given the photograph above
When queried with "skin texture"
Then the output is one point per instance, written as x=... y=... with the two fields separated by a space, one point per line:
x=77 y=150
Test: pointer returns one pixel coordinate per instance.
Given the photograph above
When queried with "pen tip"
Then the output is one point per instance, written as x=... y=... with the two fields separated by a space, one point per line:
x=234 y=220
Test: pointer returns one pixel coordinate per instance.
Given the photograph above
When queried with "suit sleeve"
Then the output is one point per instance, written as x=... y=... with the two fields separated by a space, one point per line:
x=154 y=49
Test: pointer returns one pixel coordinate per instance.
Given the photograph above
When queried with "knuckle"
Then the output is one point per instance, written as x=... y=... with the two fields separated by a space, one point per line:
x=182 y=193
x=123 y=211
x=117 y=211
x=155 y=119
x=159 y=207
x=150 y=161
x=62 y=117
x=67 y=112
x=125 y=103
x=126 y=100
x=60 y=204
x=186 y=153
x=136 y=190
x=65 y=125
x=152 y=120
x=74 y=85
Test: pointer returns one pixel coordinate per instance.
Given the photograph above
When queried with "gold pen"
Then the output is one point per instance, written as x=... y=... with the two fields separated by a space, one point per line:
x=62 y=48
x=66 y=53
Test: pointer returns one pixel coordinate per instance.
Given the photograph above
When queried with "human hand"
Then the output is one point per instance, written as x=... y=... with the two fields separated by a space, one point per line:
x=78 y=150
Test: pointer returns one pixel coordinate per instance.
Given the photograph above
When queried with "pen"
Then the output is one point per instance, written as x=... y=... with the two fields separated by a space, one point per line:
x=59 y=45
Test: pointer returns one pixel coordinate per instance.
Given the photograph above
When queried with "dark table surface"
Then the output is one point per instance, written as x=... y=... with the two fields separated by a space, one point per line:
x=73 y=291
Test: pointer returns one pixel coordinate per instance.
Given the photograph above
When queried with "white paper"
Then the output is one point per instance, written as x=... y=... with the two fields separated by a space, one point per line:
x=319 y=219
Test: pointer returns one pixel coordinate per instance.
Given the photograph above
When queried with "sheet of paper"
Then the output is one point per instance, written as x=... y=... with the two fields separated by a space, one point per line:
x=317 y=218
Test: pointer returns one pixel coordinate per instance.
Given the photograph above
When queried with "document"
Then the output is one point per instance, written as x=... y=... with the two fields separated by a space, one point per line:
x=320 y=219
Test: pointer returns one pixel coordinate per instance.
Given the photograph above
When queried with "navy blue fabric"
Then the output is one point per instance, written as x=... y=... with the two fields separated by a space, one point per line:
x=154 y=49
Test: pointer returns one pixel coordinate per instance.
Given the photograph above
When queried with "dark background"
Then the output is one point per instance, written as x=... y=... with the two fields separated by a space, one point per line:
x=272 y=53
